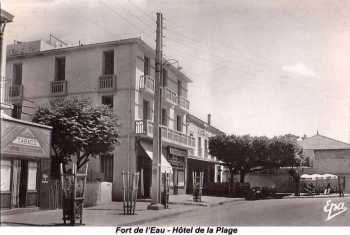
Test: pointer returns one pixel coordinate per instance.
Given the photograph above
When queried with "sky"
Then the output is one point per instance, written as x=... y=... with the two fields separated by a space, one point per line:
x=259 y=67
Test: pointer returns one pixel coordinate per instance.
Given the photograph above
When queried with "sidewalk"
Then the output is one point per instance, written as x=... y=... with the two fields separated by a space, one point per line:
x=111 y=214
x=333 y=195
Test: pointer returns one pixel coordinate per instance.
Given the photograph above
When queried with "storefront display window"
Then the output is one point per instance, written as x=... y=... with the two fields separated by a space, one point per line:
x=5 y=175
x=32 y=171
x=181 y=178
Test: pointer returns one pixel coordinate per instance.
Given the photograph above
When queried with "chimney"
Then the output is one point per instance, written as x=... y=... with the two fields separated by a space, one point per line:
x=209 y=119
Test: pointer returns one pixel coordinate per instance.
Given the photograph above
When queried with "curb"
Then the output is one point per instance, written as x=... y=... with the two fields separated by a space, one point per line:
x=196 y=207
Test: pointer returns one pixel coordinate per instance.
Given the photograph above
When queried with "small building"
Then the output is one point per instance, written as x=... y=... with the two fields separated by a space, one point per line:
x=327 y=155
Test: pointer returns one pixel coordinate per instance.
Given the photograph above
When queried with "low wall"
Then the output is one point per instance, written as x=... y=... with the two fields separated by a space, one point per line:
x=98 y=193
x=281 y=182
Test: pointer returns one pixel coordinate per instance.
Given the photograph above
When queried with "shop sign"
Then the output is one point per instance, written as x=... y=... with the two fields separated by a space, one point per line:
x=178 y=152
x=26 y=141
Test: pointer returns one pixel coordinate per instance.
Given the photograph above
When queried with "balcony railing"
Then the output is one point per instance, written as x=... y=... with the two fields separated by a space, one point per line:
x=184 y=103
x=58 y=87
x=107 y=83
x=145 y=127
x=15 y=91
x=146 y=83
x=170 y=95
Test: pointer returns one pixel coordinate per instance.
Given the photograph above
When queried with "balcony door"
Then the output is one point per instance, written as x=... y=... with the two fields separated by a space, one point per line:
x=108 y=62
x=60 y=68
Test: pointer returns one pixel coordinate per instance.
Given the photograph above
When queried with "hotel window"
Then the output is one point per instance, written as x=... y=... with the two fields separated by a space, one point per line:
x=178 y=123
x=108 y=62
x=165 y=78
x=32 y=176
x=5 y=175
x=60 y=67
x=146 y=65
x=146 y=110
x=17 y=74
x=164 y=117
x=17 y=111
x=107 y=167
x=107 y=100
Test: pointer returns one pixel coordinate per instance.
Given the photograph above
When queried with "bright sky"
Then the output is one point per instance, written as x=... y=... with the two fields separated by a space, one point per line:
x=259 y=67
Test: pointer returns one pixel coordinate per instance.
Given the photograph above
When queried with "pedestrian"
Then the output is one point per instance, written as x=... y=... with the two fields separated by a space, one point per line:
x=328 y=189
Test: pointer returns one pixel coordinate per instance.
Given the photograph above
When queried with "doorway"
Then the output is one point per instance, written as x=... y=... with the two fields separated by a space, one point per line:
x=23 y=181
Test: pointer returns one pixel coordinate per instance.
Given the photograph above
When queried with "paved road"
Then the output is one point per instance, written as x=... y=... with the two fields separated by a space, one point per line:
x=275 y=212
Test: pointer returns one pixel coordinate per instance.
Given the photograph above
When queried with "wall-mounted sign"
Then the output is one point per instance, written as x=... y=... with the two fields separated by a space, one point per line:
x=26 y=141
x=178 y=152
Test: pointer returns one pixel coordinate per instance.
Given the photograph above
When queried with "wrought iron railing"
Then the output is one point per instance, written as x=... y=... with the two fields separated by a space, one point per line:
x=107 y=82
x=146 y=83
x=58 y=87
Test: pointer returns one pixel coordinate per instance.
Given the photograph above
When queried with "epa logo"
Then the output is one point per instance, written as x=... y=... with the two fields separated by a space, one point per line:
x=334 y=209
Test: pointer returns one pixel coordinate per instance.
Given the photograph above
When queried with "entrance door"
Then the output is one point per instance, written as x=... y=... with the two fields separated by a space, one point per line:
x=23 y=183
x=176 y=181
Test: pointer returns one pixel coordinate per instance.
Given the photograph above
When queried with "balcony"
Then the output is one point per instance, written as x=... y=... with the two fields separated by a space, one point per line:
x=170 y=96
x=184 y=103
x=107 y=83
x=15 y=92
x=58 y=88
x=169 y=136
x=146 y=83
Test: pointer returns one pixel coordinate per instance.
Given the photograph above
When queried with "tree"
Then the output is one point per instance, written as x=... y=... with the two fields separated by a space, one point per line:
x=244 y=154
x=80 y=130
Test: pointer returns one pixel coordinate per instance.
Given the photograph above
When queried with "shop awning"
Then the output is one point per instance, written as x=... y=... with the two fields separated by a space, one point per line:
x=164 y=164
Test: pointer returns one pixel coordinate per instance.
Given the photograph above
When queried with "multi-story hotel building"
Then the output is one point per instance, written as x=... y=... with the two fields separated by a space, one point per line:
x=119 y=74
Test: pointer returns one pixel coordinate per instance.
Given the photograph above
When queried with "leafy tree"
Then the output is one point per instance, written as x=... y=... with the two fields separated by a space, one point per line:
x=244 y=154
x=80 y=130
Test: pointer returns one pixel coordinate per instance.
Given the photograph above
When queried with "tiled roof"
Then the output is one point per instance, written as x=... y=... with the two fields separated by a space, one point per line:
x=322 y=142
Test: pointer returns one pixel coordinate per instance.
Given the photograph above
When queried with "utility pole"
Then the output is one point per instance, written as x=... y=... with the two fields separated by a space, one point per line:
x=157 y=138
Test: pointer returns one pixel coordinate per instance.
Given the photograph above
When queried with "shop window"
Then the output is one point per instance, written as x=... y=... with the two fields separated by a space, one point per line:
x=107 y=100
x=146 y=65
x=181 y=179
x=5 y=175
x=32 y=171
x=60 y=68
x=108 y=62
x=107 y=167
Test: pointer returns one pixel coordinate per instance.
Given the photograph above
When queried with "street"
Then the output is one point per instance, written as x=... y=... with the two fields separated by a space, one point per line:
x=274 y=212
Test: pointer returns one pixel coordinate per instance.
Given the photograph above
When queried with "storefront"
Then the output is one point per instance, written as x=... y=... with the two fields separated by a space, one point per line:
x=178 y=160
x=25 y=152
x=201 y=165
x=144 y=153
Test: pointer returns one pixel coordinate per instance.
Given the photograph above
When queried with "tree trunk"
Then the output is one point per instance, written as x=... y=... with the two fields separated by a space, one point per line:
x=241 y=176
